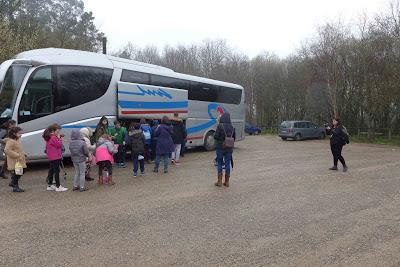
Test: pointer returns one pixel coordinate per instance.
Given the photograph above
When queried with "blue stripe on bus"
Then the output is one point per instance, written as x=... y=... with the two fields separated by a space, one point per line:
x=201 y=127
x=153 y=105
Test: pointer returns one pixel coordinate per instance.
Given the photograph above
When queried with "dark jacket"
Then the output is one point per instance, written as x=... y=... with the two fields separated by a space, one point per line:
x=165 y=145
x=77 y=147
x=338 y=135
x=179 y=131
x=224 y=129
x=136 y=141
x=101 y=129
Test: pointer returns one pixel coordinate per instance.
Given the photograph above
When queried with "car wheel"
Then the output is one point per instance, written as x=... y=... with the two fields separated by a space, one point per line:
x=209 y=141
x=284 y=138
x=297 y=137
x=258 y=132
x=322 y=136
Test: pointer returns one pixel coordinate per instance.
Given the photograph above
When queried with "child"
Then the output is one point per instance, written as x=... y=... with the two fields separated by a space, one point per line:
x=145 y=127
x=54 y=145
x=136 y=141
x=87 y=134
x=15 y=153
x=79 y=153
x=104 y=157
x=4 y=129
x=118 y=134
x=165 y=145
x=102 y=128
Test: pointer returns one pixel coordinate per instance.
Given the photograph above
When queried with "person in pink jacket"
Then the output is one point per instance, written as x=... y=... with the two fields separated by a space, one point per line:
x=104 y=157
x=53 y=137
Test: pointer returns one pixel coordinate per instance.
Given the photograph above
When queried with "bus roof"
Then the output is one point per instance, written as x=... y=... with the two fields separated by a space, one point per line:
x=59 y=56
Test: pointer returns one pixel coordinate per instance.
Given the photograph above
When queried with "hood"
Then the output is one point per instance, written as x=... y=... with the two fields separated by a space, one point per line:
x=102 y=141
x=225 y=118
x=76 y=135
x=86 y=132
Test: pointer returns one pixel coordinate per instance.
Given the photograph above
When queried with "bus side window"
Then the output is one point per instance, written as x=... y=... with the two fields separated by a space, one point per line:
x=37 y=99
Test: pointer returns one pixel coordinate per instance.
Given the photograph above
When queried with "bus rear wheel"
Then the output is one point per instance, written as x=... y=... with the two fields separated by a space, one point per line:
x=209 y=141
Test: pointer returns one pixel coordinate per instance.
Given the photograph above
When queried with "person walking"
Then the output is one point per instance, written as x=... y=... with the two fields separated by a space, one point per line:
x=136 y=142
x=53 y=137
x=15 y=154
x=178 y=136
x=154 y=140
x=339 y=138
x=4 y=129
x=225 y=137
x=118 y=134
x=165 y=145
x=79 y=154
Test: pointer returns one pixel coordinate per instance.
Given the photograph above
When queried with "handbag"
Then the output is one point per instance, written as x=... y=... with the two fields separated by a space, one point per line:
x=229 y=141
x=19 y=170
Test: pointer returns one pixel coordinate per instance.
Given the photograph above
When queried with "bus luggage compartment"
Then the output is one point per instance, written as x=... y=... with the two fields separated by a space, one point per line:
x=150 y=102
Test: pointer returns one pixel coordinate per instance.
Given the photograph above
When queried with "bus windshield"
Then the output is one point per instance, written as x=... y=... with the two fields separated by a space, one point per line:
x=9 y=89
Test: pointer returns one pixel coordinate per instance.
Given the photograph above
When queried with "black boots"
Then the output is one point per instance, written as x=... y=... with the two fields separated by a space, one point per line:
x=334 y=168
x=15 y=186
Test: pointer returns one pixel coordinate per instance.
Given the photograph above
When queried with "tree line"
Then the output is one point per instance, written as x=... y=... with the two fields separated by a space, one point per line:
x=31 y=24
x=349 y=70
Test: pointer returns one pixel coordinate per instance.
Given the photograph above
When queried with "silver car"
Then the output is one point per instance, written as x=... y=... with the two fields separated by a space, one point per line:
x=299 y=130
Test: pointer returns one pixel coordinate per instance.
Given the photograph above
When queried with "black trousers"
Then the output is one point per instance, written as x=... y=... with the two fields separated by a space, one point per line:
x=3 y=168
x=120 y=156
x=337 y=154
x=105 y=164
x=54 y=172
x=14 y=179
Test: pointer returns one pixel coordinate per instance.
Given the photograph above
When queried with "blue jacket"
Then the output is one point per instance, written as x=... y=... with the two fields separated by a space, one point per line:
x=145 y=128
x=165 y=145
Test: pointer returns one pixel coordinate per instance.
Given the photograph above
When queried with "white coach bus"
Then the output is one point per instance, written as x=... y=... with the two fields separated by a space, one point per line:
x=76 y=88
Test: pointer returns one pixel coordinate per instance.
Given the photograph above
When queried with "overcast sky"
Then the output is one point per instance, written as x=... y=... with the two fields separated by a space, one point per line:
x=251 y=26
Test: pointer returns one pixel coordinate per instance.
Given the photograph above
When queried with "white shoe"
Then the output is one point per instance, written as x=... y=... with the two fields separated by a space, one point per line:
x=51 y=188
x=61 y=189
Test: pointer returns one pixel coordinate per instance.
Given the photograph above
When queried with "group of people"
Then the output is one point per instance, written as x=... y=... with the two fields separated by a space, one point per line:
x=105 y=147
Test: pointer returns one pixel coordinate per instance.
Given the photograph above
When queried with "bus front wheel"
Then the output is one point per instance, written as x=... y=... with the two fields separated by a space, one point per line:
x=209 y=141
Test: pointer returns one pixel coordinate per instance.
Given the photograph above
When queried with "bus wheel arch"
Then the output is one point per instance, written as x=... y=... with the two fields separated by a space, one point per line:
x=209 y=141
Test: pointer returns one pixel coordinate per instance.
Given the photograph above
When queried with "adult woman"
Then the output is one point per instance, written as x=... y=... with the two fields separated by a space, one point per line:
x=165 y=145
x=224 y=131
x=338 y=140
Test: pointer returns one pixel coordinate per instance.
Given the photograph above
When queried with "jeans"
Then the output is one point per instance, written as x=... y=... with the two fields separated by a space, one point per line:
x=224 y=157
x=136 y=163
x=166 y=161
x=54 y=171
x=177 y=153
x=337 y=154
x=79 y=178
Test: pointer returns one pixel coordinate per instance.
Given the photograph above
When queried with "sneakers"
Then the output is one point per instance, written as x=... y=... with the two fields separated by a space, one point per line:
x=134 y=174
x=61 y=189
x=345 y=168
x=76 y=188
x=83 y=189
x=142 y=173
x=51 y=188
x=334 y=168
x=18 y=190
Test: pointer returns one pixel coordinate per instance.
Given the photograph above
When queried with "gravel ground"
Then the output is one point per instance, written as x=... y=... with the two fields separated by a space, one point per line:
x=284 y=208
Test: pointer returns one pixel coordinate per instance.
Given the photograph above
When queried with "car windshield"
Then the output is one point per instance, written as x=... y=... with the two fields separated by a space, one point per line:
x=9 y=89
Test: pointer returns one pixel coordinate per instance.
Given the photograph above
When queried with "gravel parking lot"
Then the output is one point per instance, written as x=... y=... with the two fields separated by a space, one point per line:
x=284 y=208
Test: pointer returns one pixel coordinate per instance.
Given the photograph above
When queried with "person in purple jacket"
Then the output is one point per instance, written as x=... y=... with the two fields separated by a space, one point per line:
x=165 y=145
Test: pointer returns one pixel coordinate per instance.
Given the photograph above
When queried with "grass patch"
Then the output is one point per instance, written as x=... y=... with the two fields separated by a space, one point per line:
x=395 y=141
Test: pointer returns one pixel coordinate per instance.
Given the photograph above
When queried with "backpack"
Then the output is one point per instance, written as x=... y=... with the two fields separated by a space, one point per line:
x=346 y=137
x=229 y=141
x=146 y=133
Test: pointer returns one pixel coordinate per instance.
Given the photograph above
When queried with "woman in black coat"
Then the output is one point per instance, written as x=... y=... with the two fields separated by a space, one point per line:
x=339 y=136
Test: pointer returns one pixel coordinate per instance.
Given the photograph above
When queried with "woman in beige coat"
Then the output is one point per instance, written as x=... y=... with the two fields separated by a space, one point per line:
x=15 y=153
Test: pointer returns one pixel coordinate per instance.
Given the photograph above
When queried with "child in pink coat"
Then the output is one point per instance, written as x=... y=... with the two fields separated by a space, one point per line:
x=104 y=157
x=52 y=136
